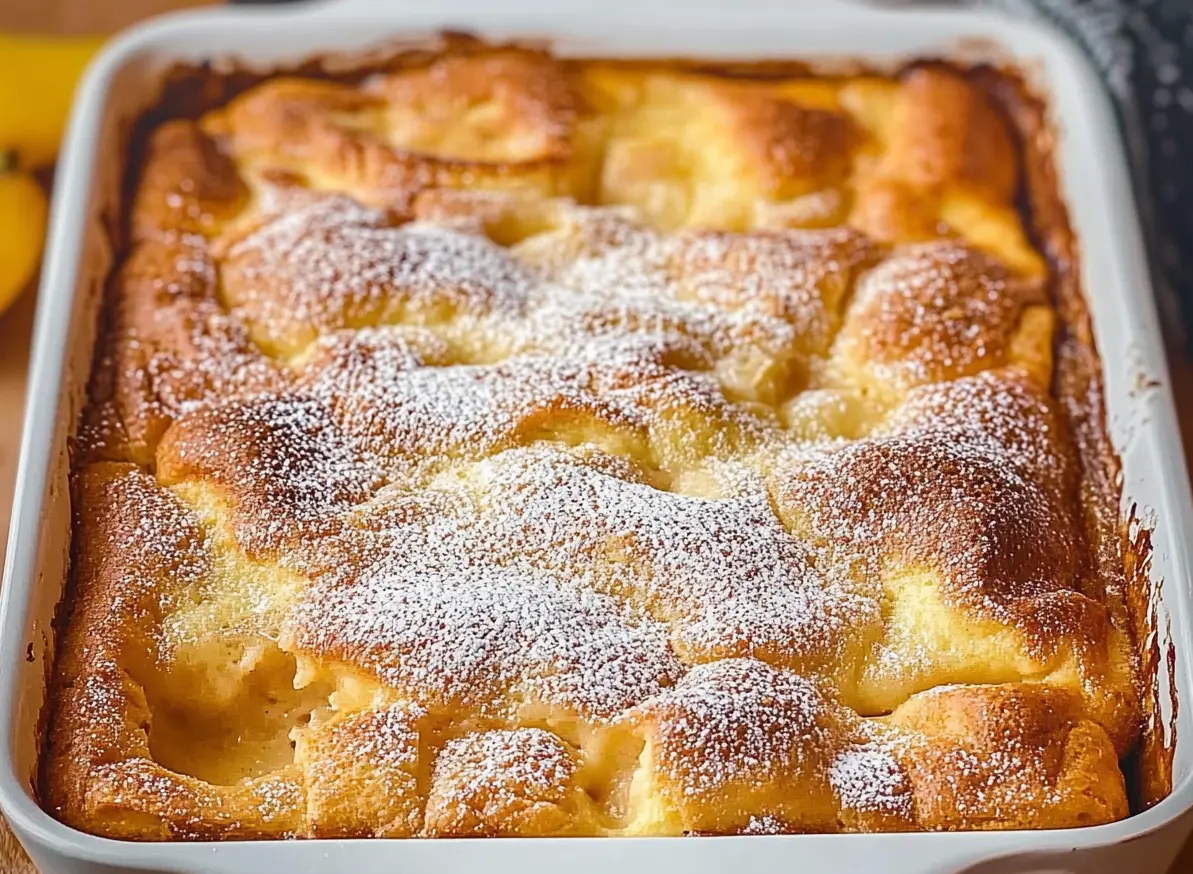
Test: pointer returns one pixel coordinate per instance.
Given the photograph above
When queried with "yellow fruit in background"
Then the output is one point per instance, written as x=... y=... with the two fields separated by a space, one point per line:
x=38 y=75
x=22 y=231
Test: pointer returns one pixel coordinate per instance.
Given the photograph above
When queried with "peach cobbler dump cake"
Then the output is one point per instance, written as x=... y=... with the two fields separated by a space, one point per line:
x=500 y=444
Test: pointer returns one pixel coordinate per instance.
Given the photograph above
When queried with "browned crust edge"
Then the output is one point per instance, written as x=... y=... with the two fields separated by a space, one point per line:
x=1121 y=545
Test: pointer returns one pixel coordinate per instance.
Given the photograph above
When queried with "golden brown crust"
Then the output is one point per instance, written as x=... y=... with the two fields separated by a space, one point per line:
x=733 y=740
x=513 y=120
x=1055 y=769
x=252 y=453
x=495 y=783
x=937 y=312
x=945 y=131
x=364 y=774
x=139 y=548
x=189 y=185
x=499 y=444
x=170 y=345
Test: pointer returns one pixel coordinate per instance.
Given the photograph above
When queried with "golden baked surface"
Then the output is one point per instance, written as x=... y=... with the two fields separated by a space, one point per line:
x=509 y=446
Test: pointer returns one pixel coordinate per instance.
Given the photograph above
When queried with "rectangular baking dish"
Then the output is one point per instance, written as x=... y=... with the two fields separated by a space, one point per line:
x=1142 y=422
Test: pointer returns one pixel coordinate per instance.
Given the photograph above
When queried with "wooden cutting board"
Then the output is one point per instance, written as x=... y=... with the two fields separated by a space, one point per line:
x=98 y=16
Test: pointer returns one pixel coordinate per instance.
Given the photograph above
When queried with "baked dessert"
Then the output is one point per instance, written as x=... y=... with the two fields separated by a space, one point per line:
x=498 y=444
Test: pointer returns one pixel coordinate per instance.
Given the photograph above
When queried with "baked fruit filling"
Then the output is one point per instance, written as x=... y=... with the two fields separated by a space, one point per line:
x=509 y=445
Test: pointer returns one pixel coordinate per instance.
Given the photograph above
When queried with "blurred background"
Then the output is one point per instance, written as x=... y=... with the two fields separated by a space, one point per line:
x=82 y=16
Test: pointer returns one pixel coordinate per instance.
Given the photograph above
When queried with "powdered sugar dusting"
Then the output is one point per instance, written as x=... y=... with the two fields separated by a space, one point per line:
x=786 y=284
x=335 y=263
x=763 y=825
x=1007 y=416
x=384 y=741
x=545 y=532
x=868 y=779
x=529 y=464
x=494 y=776
x=960 y=509
x=936 y=311
x=740 y=721
x=475 y=409
x=288 y=467
x=479 y=640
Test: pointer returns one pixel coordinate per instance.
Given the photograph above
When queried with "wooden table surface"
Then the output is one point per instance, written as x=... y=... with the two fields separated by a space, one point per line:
x=105 y=16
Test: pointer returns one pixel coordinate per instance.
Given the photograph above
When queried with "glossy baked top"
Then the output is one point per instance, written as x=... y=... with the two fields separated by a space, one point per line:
x=506 y=445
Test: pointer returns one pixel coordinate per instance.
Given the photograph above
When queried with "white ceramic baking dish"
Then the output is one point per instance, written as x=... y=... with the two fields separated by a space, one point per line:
x=1144 y=429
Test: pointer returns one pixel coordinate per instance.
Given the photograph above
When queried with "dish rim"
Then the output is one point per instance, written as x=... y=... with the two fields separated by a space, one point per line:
x=59 y=287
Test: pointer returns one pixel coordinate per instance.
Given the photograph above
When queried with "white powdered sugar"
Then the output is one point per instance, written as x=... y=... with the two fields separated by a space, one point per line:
x=868 y=779
x=422 y=411
x=541 y=565
x=933 y=311
x=763 y=825
x=740 y=721
x=282 y=457
x=781 y=286
x=480 y=639
x=335 y=263
x=1008 y=419
x=725 y=572
x=599 y=285
x=496 y=769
